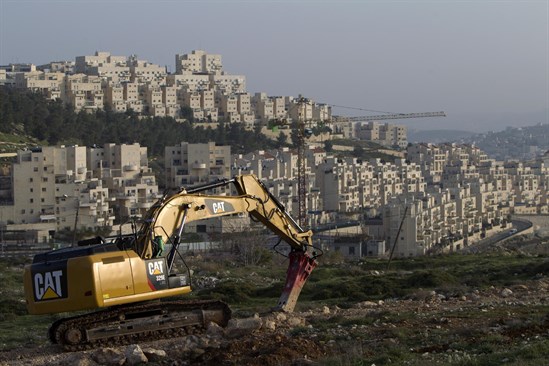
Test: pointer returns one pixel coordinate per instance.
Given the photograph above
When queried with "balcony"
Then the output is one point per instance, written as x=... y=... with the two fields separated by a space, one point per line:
x=198 y=166
x=130 y=168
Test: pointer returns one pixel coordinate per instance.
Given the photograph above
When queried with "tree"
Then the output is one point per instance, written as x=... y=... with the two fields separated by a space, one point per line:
x=358 y=151
x=187 y=113
x=281 y=140
x=328 y=146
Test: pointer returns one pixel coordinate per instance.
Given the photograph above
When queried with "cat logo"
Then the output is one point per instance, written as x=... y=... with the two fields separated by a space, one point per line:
x=156 y=268
x=49 y=285
x=219 y=207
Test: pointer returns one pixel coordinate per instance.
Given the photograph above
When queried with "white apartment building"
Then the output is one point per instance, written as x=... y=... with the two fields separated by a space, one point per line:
x=198 y=62
x=52 y=184
x=191 y=164
x=144 y=72
x=49 y=84
x=124 y=170
x=93 y=65
x=430 y=158
x=83 y=92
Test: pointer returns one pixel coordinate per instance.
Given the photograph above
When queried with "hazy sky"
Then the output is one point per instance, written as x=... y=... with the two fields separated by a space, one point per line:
x=485 y=63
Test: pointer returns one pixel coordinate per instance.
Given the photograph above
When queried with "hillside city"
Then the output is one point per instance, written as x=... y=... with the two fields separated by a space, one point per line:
x=432 y=197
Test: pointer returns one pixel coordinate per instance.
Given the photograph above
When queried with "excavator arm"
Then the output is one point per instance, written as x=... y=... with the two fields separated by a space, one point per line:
x=166 y=221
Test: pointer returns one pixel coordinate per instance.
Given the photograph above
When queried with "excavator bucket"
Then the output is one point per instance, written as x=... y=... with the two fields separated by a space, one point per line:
x=300 y=267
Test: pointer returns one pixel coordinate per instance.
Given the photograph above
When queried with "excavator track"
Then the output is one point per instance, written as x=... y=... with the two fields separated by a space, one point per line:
x=137 y=323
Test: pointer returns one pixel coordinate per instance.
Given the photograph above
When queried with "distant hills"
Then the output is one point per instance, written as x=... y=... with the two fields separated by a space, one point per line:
x=511 y=143
x=438 y=136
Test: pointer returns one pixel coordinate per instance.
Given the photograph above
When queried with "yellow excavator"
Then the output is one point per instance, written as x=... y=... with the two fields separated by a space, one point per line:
x=129 y=277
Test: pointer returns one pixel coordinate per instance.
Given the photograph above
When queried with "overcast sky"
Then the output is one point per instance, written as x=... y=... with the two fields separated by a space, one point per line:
x=485 y=63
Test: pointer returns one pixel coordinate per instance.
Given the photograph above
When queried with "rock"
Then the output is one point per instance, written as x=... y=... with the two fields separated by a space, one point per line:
x=240 y=327
x=269 y=325
x=108 y=356
x=134 y=355
x=366 y=304
x=506 y=292
x=215 y=330
x=325 y=310
x=520 y=288
x=191 y=342
x=281 y=317
x=154 y=355
x=78 y=359
x=296 y=321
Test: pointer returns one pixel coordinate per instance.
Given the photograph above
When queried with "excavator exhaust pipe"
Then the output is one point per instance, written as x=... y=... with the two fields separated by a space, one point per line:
x=300 y=267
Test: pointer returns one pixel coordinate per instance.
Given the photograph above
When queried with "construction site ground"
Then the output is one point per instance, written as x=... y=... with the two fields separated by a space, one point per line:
x=497 y=315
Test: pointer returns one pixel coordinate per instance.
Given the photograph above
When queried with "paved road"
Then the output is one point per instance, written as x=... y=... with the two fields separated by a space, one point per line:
x=515 y=229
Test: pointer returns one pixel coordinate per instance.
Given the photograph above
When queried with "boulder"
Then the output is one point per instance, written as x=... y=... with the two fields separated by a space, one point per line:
x=108 y=356
x=154 y=355
x=240 y=327
x=134 y=355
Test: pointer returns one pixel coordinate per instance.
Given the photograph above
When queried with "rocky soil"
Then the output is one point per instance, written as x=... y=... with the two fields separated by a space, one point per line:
x=426 y=328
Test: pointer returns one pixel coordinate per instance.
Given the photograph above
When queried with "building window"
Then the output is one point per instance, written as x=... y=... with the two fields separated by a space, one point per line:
x=31 y=190
x=44 y=189
x=35 y=169
x=31 y=200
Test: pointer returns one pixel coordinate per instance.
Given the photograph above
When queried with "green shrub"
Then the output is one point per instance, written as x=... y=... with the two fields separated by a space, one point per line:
x=430 y=279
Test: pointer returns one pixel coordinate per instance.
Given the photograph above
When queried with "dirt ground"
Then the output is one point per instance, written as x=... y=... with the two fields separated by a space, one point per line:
x=427 y=328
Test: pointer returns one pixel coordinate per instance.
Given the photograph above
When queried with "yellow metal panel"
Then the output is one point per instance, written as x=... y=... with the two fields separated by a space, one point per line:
x=115 y=273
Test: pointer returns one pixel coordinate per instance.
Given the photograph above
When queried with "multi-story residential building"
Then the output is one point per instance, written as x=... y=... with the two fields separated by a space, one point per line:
x=263 y=106
x=114 y=97
x=198 y=62
x=190 y=164
x=83 y=92
x=124 y=170
x=144 y=72
x=50 y=84
x=430 y=158
x=53 y=184
x=77 y=187
x=101 y=61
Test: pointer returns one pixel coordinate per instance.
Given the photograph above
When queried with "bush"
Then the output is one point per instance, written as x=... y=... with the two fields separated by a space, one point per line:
x=430 y=279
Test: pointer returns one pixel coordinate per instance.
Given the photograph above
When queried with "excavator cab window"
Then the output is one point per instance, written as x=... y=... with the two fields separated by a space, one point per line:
x=158 y=246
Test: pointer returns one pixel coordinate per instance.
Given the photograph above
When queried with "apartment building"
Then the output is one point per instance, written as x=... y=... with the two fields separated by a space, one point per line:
x=83 y=92
x=430 y=157
x=49 y=84
x=190 y=164
x=124 y=170
x=198 y=62
x=71 y=187
x=52 y=184
x=127 y=83
x=381 y=133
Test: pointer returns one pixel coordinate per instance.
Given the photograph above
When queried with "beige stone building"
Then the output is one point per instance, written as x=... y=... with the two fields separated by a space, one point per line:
x=191 y=164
